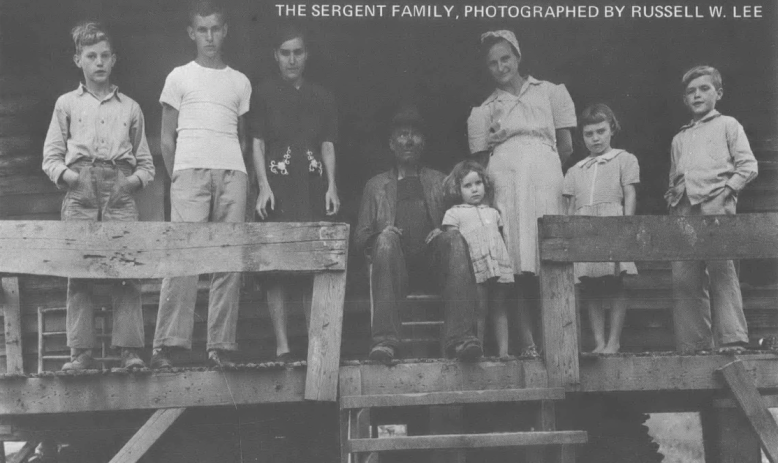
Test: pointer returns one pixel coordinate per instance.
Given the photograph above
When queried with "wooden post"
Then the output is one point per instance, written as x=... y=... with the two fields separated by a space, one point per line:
x=329 y=291
x=354 y=423
x=750 y=401
x=13 y=325
x=147 y=435
x=559 y=320
x=728 y=437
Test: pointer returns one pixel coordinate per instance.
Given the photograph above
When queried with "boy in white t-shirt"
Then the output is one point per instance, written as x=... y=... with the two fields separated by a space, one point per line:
x=203 y=103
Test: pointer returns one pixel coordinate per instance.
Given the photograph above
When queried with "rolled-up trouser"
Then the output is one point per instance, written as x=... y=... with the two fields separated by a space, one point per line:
x=202 y=195
x=102 y=194
x=446 y=260
x=702 y=286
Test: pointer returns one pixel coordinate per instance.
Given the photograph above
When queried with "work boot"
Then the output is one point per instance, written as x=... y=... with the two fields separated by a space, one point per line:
x=131 y=360
x=220 y=358
x=80 y=359
x=160 y=359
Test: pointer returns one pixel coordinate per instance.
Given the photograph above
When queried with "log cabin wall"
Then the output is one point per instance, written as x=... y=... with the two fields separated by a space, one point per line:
x=633 y=65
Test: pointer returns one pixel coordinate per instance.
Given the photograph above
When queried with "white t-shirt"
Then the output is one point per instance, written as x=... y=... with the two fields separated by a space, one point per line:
x=209 y=103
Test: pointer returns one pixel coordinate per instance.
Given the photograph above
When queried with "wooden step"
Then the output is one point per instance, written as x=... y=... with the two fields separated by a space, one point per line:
x=464 y=441
x=451 y=397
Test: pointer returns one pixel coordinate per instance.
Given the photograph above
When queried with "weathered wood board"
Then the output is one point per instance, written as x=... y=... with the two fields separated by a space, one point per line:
x=647 y=238
x=147 y=435
x=161 y=249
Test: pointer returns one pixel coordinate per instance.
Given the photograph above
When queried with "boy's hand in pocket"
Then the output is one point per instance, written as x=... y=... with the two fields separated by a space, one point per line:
x=70 y=177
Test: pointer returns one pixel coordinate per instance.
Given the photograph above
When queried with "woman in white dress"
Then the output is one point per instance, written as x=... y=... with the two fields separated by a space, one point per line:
x=525 y=125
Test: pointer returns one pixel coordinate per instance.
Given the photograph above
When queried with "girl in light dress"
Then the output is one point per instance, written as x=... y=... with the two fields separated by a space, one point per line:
x=471 y=190
x=602 y=184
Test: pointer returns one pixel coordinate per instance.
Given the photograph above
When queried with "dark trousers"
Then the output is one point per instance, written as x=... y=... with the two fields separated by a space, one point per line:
x=445 y=261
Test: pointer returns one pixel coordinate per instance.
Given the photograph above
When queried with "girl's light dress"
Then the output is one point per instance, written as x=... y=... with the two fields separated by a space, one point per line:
x=525 y=168
x=480 y=226
x=597 y=184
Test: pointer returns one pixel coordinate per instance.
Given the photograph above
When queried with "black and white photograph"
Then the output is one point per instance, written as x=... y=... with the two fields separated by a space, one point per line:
x=367 y=231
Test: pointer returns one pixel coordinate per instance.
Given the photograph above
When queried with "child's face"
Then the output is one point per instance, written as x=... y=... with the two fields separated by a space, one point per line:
x=597 y=137
x=503 y=63
x=96 y=61
x=208 y=33
x=472 y=188
x=291 y=57
x=701 y=96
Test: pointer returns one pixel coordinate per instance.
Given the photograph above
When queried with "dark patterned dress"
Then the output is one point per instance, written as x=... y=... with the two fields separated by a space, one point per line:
x=293 y=124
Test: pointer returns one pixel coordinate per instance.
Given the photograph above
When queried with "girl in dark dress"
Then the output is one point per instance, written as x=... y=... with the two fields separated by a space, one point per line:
x=294 y=127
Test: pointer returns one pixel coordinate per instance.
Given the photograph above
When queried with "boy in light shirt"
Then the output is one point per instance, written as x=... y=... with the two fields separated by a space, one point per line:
x=203 y=103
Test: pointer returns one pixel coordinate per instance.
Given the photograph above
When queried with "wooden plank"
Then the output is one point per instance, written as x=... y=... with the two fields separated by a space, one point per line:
x=670 y=372
x=13 y=325
x=559 y=320
x=452 y=397
x=93 y=393
x=728 y=438
x=26 y=452
x=329 y=291
x=462 y=441
x=156 y=250
x=450 y=375
x=354 y=423
x=147 y=435
x=642 y=237
x=747 y=396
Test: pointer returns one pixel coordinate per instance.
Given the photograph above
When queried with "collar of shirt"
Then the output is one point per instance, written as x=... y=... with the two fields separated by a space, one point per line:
x=113 y=92
x=601 y=159
x=497 y=93
x=710 y=116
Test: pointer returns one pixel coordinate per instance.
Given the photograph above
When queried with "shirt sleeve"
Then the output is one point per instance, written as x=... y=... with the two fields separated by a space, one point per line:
x=478 y=129
x=562 y=107
x=568 y=187
x=746 y=166
x=630 y=169
x=258 y=114
x=674 y=193
x=171 y=92
x=144 y=164
x=55 y=145
x=330 y=113
x=450 y=219
x=245 y=95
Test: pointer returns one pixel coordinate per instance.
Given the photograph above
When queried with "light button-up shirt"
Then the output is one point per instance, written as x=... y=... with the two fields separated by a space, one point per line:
x=707 y=156
x=107 y=129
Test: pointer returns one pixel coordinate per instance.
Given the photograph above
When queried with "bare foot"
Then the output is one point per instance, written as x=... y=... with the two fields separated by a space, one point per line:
x=598 y=350
x=611 y=349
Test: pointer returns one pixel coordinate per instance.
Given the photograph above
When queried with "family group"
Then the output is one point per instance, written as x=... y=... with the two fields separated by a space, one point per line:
x=472 y=233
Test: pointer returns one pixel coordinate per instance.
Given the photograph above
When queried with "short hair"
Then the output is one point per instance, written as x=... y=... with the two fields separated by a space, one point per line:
x=699 y=71
x=452 y=185
x=596 y=113
x=89 y=33
x=287 y=32
x=206 y=8
x=489 y=42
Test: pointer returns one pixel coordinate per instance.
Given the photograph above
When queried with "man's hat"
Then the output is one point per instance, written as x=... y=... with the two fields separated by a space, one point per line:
x=408 y=115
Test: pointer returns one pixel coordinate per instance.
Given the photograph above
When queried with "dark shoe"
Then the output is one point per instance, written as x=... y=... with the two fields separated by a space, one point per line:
x=131 y=360
x=382 y=353
x=82 y=360
x=469 y=351
x=160 y=359
x=219 y=358
x=531 y=351
x=733 y=348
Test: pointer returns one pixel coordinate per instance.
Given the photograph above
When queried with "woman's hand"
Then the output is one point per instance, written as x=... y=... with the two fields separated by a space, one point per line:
x=496 y=135
x=265 y=197
x=332 y=201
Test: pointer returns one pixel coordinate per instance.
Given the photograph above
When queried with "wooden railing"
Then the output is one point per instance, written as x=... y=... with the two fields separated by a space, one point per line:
x=564 y=240
x=113 y=250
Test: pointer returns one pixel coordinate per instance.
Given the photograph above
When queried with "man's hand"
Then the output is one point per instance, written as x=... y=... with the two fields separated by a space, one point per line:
x=332 y=201
x=265 y=197
x=133 y=183
x=392 y=229
x=432 y=234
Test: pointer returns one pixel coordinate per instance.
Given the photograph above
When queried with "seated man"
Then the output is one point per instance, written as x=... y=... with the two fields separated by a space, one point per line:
x=398 y=230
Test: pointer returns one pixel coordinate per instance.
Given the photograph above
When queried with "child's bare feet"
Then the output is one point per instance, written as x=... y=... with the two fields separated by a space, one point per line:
x=611 y=349
x=598 y=349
